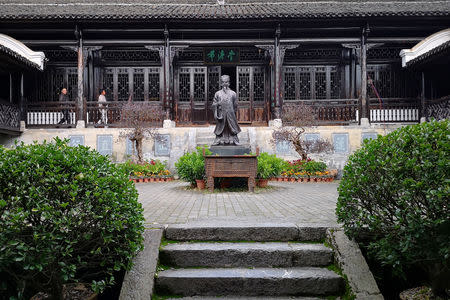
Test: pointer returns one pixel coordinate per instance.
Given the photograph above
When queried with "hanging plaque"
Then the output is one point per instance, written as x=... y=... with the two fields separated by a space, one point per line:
x=221 y=55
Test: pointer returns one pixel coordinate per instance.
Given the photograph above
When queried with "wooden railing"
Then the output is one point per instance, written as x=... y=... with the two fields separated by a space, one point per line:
x=330 y=111
x=110 y=113
x=49 y=114
x=394 y=110
x=9 y=116
x=438 y=108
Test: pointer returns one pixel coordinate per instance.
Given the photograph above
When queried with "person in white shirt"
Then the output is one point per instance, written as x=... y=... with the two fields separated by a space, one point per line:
x=102 y=106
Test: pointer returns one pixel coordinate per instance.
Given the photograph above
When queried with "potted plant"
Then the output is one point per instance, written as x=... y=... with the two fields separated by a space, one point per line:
x=268 y=166
x=191 y=167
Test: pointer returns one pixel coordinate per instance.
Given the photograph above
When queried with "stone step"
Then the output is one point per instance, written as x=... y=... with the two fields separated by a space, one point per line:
x=249 y=282
x=237 y=231
x=245 y=255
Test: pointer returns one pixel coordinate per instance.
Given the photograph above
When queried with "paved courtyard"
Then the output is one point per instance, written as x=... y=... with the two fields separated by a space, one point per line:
x=174 y=202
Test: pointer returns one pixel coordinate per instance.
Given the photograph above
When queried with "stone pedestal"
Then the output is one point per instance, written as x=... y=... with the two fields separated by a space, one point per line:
x=168 y=124
x=365 y=122
x=276 y=123
x=81 y=124
x=229 y=150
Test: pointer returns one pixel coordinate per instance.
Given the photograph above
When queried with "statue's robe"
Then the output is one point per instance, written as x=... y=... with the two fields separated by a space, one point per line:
x=227 y=128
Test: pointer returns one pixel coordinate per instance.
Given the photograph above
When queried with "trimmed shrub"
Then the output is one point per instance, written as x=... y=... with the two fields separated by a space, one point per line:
x=67 y=214
x=269 y=166
x=191 y=165
x=396 y=188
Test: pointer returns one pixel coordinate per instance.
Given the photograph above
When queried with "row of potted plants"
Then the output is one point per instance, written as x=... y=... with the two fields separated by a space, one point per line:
x=152 y=171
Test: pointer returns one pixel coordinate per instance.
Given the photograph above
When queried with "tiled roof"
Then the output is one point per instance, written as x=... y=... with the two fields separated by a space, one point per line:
x=443 y=49
x=210 y=9
x=19 y=57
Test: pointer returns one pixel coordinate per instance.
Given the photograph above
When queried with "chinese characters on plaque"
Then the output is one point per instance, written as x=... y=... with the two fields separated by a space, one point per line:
x=221 y=55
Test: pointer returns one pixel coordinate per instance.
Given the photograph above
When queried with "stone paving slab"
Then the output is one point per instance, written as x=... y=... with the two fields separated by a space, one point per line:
x=299 y=203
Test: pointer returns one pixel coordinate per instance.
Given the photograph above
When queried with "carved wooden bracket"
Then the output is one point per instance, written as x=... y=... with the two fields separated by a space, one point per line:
x=174 y=51
x=269 y=50
x=158 y=48
x=283 y=49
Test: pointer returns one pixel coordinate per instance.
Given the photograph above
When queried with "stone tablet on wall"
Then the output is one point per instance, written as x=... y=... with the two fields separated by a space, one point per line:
x=312 y=136
x=368 y=136
x=340 y=142
x=283 y=147
x=131 y=146
x=76 y=140
x=162 y=145
x=105 y=144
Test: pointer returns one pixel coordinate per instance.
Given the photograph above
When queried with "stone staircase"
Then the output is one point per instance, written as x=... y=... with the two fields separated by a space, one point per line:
x=265 y=262
x=205 y=136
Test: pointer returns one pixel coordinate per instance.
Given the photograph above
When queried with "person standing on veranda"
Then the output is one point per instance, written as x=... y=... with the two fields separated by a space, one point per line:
x=102 y=106
x=63 y=97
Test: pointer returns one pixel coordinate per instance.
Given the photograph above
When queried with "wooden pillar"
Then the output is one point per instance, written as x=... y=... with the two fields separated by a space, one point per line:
x=364 y=101
x=168 y=100
x=277 y=75
x=80 y=71
x=22 y=100
x=423 y=108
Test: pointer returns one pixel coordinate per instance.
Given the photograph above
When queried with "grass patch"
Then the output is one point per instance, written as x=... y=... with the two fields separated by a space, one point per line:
x=348 y=295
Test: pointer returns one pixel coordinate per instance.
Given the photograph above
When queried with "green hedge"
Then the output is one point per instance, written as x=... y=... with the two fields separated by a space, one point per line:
x=67 y=214
x=397 y=189
x=191 y=165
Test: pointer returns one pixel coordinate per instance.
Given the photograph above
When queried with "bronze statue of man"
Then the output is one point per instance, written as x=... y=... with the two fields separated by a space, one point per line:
x=224 y=106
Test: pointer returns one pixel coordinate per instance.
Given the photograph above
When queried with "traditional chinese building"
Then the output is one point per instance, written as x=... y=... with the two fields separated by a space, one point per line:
x=342 y=58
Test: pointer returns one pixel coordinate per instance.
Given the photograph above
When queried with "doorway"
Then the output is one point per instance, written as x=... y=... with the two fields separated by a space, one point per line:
x=230 y=71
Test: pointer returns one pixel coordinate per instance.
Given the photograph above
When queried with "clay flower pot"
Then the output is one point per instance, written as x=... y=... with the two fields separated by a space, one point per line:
x=292 y=179
x=262 y=182
x=200 y=184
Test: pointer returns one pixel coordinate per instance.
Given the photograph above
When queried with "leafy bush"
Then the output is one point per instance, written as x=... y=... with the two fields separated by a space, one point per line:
x=307 y=167
x=191 y=165
x=314 y=166
x=67 y=214
x=397 y=188
x=269 y=166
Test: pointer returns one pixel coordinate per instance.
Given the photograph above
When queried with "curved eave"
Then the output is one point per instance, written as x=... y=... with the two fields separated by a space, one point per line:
x=434 y=45
x=21 y=53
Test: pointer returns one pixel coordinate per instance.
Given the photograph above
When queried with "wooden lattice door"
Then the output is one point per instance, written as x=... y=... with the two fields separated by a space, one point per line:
x=251 y=93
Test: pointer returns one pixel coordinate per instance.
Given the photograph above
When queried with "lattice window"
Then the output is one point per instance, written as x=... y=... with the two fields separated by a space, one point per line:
x=389 y=82
x=213 y=82
x=138 y=85
x=72 y=83
x=61 y=55
x=308 y=54
x=304 y=84
x=252 y=54
x=384 y=53
x=320 y=84
x=289 y=84
x=244 y=83
x=191 y=55
x=199 y=86
x=311 y=82
x=153 y=84
x=108 y=83
x=57 y=84
x=335 y=84
x=258 y=84
x=185 y=86
x=123 y=85
x=130 y=55
x=49 y=84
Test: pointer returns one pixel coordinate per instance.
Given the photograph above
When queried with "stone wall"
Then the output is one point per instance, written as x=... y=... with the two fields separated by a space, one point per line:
x=181 y=139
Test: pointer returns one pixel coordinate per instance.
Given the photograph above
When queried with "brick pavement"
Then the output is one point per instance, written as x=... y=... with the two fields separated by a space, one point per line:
x=172 y=202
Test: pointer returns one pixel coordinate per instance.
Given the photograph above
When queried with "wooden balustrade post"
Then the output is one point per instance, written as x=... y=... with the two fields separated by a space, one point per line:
x=423 y=109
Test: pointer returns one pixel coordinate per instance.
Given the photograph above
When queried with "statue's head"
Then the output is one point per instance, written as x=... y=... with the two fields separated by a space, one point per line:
x=225 y=81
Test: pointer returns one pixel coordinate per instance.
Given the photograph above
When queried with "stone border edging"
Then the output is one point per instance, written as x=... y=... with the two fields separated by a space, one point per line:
x=350 y=260
x=138 y=282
